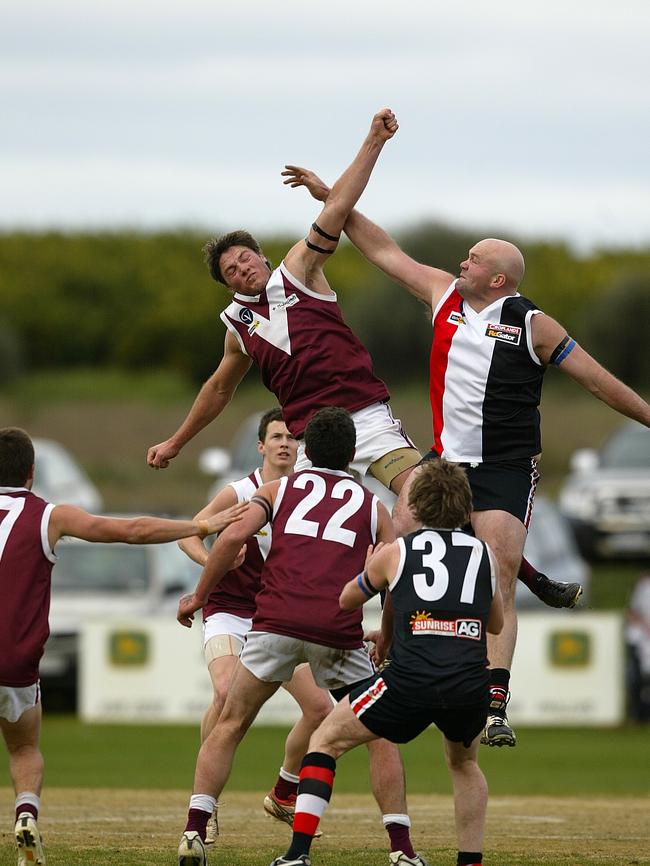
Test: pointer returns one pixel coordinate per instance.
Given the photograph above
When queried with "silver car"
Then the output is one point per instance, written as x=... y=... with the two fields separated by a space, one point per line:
x=607 y=496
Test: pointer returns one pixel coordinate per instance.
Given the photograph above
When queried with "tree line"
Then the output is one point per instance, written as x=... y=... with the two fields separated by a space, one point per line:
x=139 y=300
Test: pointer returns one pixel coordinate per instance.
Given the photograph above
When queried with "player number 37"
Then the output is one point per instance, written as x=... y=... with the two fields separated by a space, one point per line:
x=434 y=583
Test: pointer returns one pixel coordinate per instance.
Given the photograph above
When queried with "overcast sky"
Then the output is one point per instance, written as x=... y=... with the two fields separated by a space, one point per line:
x=530 y=117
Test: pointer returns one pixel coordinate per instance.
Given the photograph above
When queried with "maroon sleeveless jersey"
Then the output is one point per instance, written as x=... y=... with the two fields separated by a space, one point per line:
x=307 y=355
x=26 y=561
x=323 y=522
x=236 y=592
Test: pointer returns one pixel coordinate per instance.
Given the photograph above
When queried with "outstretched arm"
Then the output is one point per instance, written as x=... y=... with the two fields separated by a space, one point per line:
x=70 y=520
x=548 y=339
x=211 y=400
x=305 y=260
x=427 y=284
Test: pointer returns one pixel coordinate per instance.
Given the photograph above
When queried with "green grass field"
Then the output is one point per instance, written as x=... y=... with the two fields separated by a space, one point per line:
x=563 y=797
x=588 y=762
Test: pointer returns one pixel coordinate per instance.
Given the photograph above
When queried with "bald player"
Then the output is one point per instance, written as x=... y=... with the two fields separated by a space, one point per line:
x=491 y=347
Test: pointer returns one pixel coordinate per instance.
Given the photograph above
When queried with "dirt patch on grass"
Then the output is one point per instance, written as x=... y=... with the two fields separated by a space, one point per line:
x=582 y=830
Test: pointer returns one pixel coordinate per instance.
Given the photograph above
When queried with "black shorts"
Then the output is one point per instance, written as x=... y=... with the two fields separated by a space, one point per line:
x=387 y=714
x=501 y=486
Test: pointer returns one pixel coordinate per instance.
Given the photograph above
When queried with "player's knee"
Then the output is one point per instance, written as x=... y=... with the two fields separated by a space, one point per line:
x=317 y=711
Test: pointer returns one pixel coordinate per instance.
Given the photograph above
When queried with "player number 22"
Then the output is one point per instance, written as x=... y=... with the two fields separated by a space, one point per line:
x=297 y=524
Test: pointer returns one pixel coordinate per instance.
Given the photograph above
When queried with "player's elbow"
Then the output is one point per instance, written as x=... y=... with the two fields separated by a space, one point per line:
x=495 y=625
x=347 y=601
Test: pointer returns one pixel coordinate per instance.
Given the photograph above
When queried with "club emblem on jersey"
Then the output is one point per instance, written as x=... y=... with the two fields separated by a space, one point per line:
x=290 y=301
x=456 y=318
x=504 y=333
x=422 y=623
x=246 y=316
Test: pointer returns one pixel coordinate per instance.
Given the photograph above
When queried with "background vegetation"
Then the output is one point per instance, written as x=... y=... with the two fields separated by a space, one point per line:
x=105 y=338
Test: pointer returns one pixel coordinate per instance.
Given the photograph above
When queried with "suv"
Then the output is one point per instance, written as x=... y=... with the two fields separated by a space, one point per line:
x=607 y=496
x=550 y=545
x=105 y=580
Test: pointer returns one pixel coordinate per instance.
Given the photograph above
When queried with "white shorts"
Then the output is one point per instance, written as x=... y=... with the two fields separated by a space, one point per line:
x=14 y=701
x=273 y=658
x=224 y=634
x=378 y=434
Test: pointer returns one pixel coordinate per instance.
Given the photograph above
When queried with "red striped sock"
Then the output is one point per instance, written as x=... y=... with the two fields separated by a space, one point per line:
x=314 y=792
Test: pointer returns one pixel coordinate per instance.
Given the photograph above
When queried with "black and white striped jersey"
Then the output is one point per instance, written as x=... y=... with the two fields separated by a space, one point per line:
x=485 y=380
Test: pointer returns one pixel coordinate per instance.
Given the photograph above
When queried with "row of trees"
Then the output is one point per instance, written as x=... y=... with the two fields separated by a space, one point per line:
x=134 y=300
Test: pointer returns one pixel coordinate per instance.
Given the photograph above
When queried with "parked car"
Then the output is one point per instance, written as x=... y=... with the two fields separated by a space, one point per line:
x=93 y=580
x=58 y=477
x=550 y=546
x=607 y=496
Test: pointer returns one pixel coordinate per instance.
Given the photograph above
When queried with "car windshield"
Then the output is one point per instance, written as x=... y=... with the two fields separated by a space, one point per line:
x=629 y=449
x=106 y=568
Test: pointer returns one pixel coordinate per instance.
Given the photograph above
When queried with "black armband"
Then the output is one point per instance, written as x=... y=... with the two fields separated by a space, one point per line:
x=363 y=582
x=263 y=503
x=563 y=348
x=319 y=231
x=318 y=249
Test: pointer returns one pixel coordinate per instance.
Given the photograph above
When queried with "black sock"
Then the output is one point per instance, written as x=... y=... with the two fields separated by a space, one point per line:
x=469 y=858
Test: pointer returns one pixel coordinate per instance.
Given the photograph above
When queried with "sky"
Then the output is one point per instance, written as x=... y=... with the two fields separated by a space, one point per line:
x=530 y=118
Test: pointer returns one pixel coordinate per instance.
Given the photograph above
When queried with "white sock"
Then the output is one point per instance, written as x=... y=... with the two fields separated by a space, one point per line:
x=204 y=802
x=28 y=799
x=396 y=819
x=288 y=777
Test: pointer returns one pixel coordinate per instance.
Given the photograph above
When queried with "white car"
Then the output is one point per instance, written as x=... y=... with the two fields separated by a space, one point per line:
x=92 y=580
x=58 y=478
x=607 y=496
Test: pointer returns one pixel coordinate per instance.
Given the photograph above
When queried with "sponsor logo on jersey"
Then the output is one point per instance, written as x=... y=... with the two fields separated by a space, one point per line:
x=456 y=318
x=246 y=316
x=252 y=328
x=504 y=333
x=422 y=623
x=289 y=302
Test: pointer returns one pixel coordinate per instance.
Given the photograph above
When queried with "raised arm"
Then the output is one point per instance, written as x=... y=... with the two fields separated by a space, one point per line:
x=426 y=283
x=553 y=345
x=305 y=260
x=214 y=396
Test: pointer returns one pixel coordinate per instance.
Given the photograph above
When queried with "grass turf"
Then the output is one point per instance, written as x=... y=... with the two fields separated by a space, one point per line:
x=567 y=761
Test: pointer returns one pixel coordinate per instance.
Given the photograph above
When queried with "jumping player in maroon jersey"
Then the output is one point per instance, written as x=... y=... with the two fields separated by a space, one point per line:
x=29 y=531
x=288 y=321
x=490 y=350
x=227 y=618
x=445 y=598
x=324 y=523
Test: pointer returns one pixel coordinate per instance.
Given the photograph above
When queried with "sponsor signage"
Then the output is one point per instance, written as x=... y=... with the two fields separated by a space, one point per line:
x=504 y=333
x=568 y=670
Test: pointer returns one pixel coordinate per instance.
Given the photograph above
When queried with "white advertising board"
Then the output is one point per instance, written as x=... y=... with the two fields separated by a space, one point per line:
x=568 y=670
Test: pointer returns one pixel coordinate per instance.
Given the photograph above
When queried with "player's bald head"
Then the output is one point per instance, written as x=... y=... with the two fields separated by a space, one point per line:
x=504 y=258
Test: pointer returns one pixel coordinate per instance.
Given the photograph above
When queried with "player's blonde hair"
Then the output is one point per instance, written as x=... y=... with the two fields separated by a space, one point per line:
x=440 y=495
